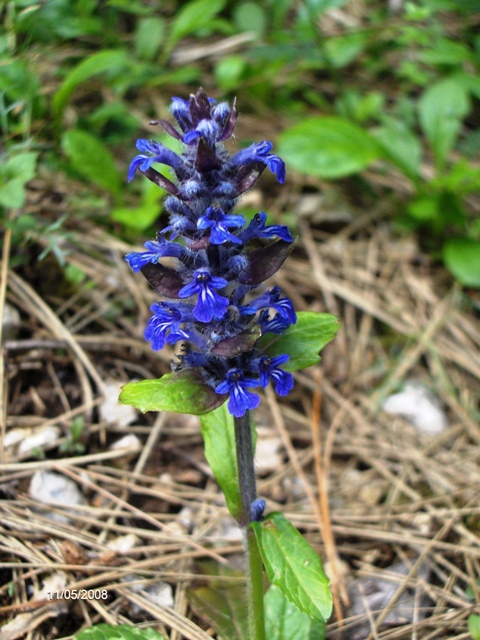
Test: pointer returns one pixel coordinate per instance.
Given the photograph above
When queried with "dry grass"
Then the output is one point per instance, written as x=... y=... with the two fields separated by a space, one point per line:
x=366 y=483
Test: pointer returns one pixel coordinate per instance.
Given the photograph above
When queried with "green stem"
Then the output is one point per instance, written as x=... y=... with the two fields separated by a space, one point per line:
x=256 y=613
x=248 y=493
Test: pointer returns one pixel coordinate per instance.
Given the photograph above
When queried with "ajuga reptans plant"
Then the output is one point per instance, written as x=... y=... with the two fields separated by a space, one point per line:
x=209 y=306
x=232 y=334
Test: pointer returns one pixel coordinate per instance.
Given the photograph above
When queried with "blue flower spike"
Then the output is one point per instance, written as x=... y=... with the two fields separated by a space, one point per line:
x=210 y=308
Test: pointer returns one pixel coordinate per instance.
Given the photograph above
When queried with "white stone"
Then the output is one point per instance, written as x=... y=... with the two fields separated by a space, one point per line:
x=130 y=442
x=123 y=544
x=52 y=488
x=417 y=405
x=268 y=456
x=111 y=410
x=37 y=439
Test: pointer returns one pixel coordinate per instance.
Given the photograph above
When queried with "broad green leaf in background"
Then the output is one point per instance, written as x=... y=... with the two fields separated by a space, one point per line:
x=14 y=175
x=193 y=16
x=283 y=621
x=441 y=110
x=401 y=146
x=121 y=632
x=327 y=147
x=222 y=602
x=474 y=626
x=141 y=217
x=182 y=392
x=218 y=433
x=303 y=340
x=228 y=72
x=21 y=165
x=91 y=159
x=104 y=61
x=462 y=258
x=293 y=566
x=343 y=50
x=149 y=37
x=249 y=16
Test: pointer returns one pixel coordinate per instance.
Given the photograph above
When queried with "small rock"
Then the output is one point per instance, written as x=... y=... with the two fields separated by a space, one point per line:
x=38 y=439
x=123 y=544
x=186 y=519
x=162 y=593
x=268 y=456
x=52 y=488
x=54 y=582
x=111 y=410
x=227 y=530
x=370 y=596
x=417 y=405
x=11 y=322
x=130 y=443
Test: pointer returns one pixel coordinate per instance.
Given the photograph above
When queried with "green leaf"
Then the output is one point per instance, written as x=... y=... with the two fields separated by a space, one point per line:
x=228 y=72
x=194 y=16
x=474 y=626
x=249 y=16
x=303 y=340
x=218 y=433
x=283 y=621
x=343 y=49
x=441 y=110
x=22 y=166
x=149 y=37
x=143 y=216
x=401 y=147
x=182 y=392
x=91 y=159
x=462 y=258
x=329 y=147
x=111 y=60
x=121 y=632
x=223 y=603
x=12 y=194
x=293 y=566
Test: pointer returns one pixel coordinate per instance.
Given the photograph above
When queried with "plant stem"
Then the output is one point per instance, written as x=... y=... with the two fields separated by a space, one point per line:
x=248 y=493
x=256 y=613
x=245 y=466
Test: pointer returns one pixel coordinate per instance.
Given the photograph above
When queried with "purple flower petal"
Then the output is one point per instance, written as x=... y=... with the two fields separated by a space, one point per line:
x=209 y=303
x=241 y=400
x=269 y=370
x=260 y=153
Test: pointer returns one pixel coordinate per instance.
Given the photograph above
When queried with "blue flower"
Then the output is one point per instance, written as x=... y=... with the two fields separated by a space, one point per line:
x=209 y=304
x=260 y=153
x=277 y=324
x=257 y=229
x=269 y=370
x=206 y=129
x=257 y=509
x=166 y=318
x=156 y=249
x=153 y=152
x=272 y=300
x=219 y=223
x=181 y=112
x=236 y=384
x=207 y=288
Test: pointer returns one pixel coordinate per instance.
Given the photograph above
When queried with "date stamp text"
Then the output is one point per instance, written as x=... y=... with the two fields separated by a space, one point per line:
x=78 y=594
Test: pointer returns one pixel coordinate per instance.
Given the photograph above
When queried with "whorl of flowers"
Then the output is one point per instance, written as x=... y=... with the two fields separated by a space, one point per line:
x=207 y=304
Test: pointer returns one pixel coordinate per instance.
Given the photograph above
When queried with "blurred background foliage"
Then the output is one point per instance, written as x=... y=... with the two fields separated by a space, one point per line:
x=379 y=96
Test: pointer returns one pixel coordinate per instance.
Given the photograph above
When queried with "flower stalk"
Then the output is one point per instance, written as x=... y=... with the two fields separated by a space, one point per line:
x=210 y=305
x=252 y=509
